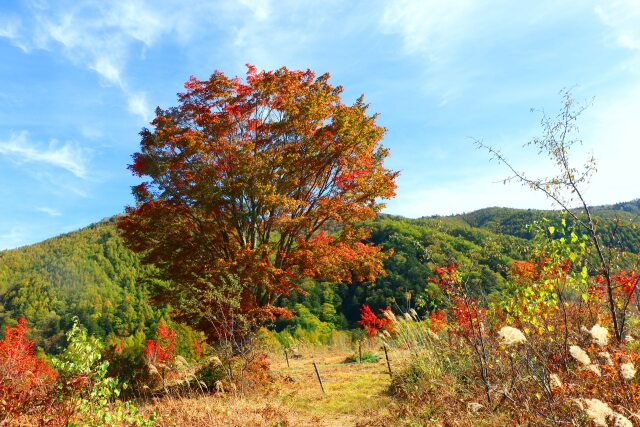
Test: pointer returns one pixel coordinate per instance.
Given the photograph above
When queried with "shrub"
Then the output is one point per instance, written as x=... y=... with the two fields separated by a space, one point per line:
x=160 y=353
x=85 y=387
x=27 y=383
x=210 y=372
x=538 y=353
x=366 y=357
x=409 y=382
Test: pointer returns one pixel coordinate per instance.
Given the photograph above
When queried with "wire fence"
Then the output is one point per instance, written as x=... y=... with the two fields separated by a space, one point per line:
x=391 y=359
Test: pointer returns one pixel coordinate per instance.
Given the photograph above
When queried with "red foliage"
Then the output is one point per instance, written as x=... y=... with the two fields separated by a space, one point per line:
x=447 y=276
x=466 y=311
x=241 y=177
x=372 y=323
x=623 y=281
x=197 y=349
x=467 y=314
x=438 y=320
x=27 y=383
x=161 y=350
x=627 y=281
x=525 y=270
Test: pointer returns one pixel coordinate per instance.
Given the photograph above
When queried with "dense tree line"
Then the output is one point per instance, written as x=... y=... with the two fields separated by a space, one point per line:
x=415 y=247
x=91 y=274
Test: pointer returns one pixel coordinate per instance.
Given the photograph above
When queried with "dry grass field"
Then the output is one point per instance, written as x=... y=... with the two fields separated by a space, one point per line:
x=353 y=393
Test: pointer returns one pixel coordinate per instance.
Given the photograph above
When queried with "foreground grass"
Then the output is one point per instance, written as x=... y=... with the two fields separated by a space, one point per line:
x=353 y=393
x=356 y=395
x=221 y=410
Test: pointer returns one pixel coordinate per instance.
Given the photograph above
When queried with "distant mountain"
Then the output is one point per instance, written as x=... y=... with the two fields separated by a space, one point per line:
x=618 y=223
x=632 y=207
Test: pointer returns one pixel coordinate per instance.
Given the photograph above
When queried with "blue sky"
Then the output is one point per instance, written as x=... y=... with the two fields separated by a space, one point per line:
x=79 y=79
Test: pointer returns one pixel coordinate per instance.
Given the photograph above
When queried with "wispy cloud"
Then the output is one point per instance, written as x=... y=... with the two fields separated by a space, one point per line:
x=10 y=30
x=49 y=211
x=106 y=37
x=101 y=38
x=623 y=18
x=68 y=156
x=428 y=26
x=456 y=45
x=261 y=9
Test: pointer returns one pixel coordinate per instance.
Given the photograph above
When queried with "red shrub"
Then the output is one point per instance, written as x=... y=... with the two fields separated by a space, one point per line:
x=372 y=323
x=27 y=383
x=161 y=350
x=438 y=320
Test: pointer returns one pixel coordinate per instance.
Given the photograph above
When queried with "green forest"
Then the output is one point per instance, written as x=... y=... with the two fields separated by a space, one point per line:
x=90 y=274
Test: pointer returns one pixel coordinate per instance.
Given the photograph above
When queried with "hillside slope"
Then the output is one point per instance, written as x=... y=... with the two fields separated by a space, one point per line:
x=91 y=274
x=88 y=273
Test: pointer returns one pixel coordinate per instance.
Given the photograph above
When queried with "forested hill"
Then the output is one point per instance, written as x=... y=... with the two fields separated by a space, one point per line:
x=619 y=222
x=88 y=273
x=91 y=274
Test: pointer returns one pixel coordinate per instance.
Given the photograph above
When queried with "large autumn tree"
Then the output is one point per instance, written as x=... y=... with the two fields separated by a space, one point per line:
x=250 y=187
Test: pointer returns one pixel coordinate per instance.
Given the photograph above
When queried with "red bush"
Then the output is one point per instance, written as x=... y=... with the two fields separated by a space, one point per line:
x=372 y=323
x=27 y=383
x=161 y=350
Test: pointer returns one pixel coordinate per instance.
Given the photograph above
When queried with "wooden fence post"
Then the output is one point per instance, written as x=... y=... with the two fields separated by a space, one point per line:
x=318 y=375
x=286 y=357
x=386 y=355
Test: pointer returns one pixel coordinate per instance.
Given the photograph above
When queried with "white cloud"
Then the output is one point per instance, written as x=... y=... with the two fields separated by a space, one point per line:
x=100 y=36
x=272 y=34
x=611 y=127
x=622 y=17
x=108 y=69
x=260 y=8
x=137 y=104
x=105 y=36
x=440 y=28
x=428 y=26
x=458 y=45
x=49 y=211
x=10 y=30
x=101 y=41
x=68 y=156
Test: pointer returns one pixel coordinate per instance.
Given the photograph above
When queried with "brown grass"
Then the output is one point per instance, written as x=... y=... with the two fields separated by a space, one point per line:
x=221 y=411
x=353 y=392
x=356 y=395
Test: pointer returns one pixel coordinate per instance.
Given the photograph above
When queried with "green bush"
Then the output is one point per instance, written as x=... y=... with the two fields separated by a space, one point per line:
x=210 y=372
x=367 y=357
x=86 y=387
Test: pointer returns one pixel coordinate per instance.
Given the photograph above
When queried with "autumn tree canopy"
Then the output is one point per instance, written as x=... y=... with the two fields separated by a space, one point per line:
x=243 y=180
